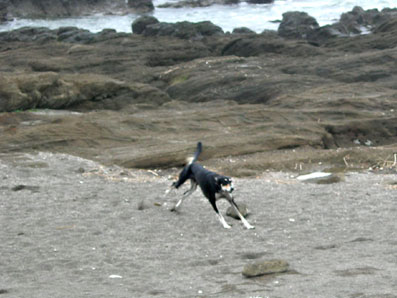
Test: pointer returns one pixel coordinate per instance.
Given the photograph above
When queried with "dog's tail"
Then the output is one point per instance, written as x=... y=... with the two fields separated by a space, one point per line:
x=193 y=159
x=184 y=175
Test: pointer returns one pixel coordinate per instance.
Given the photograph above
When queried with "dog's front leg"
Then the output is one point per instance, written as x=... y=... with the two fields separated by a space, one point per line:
x=235 y=207
x=220 y=217
x=223 y=221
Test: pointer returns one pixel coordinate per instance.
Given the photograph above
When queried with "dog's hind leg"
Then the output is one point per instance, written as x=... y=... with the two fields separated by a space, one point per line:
x=193 y=187
x=235 y=207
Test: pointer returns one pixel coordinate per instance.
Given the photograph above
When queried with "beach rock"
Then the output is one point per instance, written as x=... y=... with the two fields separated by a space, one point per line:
x=322 y=35
x=243 y=30
x=28 y=34
x=184 y=30
x=241 y=207
x=389 y=25
x=259 y=268
x=196 y=3
x=260 y=1
x=141 y=5
x=177 y=54
x=67 y=8
x=63 y=34
x=3 y=11
x=297 y=25
x=358 y=21
x=265 y=44
x=84 y=91
x=140 y=24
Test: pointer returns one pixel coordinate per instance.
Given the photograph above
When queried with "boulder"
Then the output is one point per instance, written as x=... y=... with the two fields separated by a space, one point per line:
x=322 y=35
x=140 y=24
x=243 y=30
x=141 y=5
x=184 y=30
x=241 y=207
x=297 y=25
x=265 y=267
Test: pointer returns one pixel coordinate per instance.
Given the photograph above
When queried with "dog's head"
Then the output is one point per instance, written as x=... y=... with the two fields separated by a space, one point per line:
x=225 y=183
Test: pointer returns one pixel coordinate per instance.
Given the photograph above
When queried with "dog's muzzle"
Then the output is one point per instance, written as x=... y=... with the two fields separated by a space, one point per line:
x=227 y=188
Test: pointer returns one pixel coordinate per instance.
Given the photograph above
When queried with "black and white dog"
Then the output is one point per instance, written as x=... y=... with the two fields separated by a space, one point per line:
x=213 y=186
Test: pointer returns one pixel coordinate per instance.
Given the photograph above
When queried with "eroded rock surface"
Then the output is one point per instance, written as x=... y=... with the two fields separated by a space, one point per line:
x=144 y=101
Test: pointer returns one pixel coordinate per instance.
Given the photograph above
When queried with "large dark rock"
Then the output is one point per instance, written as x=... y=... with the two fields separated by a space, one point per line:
x=387 y=26
x=141 y=5
x=243 y=30
x=297 y=25
x=353 y=23
x=66 y=8
x=28 y=34
x=3 y=10
x=63 y=34
x=323 y=34
x=262 y=44
x=184 y=30
x=197 y=3
x=140 y=24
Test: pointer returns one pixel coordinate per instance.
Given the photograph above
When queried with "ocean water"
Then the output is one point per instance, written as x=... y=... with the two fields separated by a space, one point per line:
x=257 y=17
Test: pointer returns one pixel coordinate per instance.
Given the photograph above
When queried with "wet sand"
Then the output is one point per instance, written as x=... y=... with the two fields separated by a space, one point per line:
x=74 y=228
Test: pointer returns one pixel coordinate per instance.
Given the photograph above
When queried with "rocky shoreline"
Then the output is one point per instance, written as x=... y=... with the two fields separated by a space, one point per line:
x=144 y=99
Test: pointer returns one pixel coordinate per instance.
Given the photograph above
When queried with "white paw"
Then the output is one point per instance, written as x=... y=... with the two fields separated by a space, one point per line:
x=250 y=227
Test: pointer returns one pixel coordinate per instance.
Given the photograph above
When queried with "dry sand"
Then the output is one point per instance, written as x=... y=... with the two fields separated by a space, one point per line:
x=73 y=228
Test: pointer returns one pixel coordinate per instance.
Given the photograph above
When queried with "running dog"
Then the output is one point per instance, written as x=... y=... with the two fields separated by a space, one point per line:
x=213 y=186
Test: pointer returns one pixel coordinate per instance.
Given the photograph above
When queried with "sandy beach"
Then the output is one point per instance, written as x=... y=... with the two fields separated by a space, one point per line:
x=74 y=228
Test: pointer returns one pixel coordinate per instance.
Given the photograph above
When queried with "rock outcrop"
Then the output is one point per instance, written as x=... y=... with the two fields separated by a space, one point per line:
x=62 y=8
x=297 y=25
x=3 y=11
x=206 y=3
x=150 y=26
x=250 y=97
x=53 y=91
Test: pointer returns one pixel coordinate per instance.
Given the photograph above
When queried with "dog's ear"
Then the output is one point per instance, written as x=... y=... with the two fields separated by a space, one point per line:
x=221 y=180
